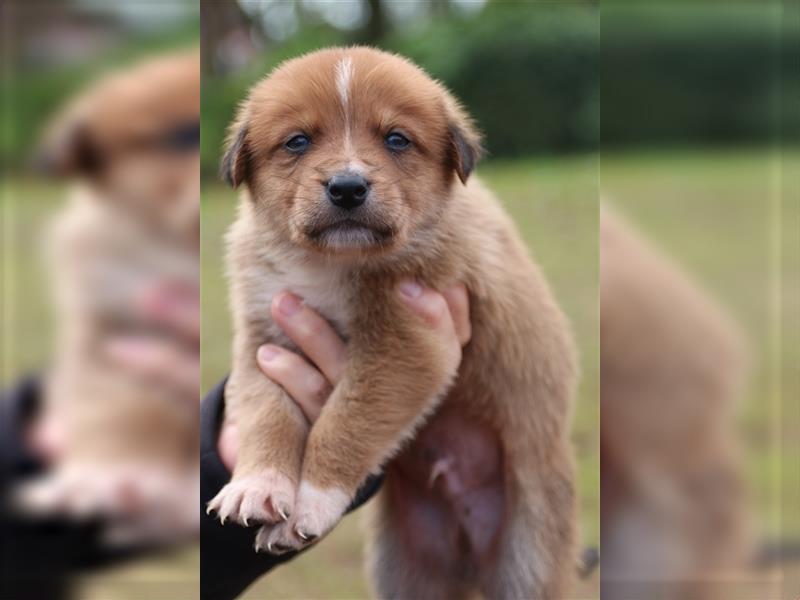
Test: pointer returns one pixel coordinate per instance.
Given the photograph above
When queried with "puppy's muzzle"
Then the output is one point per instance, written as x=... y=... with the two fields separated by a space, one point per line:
x=347 y=191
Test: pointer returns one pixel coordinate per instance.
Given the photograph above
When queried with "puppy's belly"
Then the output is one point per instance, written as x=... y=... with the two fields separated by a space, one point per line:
x=447 y=492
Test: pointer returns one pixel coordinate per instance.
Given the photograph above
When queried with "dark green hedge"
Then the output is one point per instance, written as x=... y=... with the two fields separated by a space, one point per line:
x=538 y=78
x=556 y=77
x=698 y=73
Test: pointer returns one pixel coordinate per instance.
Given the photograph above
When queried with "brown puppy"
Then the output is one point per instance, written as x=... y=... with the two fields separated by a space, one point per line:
x=674 y=509
x=357 y=170
x=130 y=143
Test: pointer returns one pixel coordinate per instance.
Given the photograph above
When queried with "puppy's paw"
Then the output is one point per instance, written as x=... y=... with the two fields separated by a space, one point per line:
x=127 y=491
x=267 y=497
x=318 y=510
x=278 y=539
x=51 y=494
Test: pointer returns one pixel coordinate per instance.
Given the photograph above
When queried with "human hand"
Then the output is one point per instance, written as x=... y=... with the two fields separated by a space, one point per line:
x=172 y=360
x=309 y=381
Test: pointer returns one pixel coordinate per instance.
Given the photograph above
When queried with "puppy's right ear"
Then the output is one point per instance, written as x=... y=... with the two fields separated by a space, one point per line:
x=234 y=168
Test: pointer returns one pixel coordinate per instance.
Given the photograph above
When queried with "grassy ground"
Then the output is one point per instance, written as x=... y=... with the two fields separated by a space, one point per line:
x=715 y=211
x=730 y=217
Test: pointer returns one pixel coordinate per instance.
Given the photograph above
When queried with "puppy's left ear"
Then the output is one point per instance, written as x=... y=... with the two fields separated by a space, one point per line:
x=465 y=141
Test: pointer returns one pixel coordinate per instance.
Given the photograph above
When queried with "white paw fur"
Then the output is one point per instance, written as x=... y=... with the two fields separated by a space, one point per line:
x=316 y=512
x=267 y=497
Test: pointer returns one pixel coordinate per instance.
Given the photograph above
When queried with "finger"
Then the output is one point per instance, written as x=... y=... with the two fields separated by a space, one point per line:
x=457 y=300
x=228 y=445
x=176 y=307
x=428 y=304
x=304 y=383
x=312 y=334
x=47 y=438
x=160 y=361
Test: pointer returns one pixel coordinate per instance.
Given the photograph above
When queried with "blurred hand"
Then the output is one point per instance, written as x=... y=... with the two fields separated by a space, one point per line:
x=309 y=382
x=173 y=359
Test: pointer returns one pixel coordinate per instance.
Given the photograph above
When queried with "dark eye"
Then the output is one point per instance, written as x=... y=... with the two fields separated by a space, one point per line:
x=298 y=144
x=183 y=138
x=396 y=141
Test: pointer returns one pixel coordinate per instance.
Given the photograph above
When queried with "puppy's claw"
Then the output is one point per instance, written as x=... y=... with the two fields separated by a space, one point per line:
x=209 y=509
x=244 y=521
x=283 y=513
x=308 y=537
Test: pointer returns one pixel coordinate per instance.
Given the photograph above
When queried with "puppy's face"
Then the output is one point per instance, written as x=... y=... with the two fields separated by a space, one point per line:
x=350 y=151
x=134 y=138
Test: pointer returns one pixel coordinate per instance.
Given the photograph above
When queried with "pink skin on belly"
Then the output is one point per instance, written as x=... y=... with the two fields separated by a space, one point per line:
x=447 y=492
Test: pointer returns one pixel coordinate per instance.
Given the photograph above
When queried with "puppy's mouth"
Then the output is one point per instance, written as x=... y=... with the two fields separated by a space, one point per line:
x=349 y=234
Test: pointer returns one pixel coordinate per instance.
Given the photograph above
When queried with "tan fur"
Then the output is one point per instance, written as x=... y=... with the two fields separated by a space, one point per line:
x=672 y=368
x=518 y=372
x=131 y=222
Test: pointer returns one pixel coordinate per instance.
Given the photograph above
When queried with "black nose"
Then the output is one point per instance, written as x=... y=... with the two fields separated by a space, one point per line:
x=347 y=191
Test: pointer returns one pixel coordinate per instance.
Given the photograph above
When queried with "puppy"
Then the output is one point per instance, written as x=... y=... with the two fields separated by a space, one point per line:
x=674 y=509
x=131 y=144
x=356 y=167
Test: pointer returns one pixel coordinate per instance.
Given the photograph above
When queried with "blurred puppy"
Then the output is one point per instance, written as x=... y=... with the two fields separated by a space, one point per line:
x=131 y=143
x=672 y=367
x=357 y=170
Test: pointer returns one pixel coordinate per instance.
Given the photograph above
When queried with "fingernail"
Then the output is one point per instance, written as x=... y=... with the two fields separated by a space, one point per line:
x=266 y=353
x=289 y=305
x=410 y=289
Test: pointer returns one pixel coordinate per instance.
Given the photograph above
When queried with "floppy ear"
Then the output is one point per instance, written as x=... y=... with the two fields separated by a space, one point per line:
x=67 y=150
x=465 y=141
x=234 y=168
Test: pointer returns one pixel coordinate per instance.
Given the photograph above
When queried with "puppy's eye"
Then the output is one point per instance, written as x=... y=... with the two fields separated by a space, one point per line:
x=396 y=141
x=298 y=144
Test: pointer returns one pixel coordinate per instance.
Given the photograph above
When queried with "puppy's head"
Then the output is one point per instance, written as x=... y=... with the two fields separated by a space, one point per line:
x=350 y=151
x=133 y=137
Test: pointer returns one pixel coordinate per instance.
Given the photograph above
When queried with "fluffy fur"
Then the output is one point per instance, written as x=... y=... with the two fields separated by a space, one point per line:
x=131 y=222
x=479 y=492
x=672 y=369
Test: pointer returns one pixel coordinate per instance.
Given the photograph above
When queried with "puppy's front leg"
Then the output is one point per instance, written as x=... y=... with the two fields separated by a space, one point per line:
x=271 y=433
x=397 y=370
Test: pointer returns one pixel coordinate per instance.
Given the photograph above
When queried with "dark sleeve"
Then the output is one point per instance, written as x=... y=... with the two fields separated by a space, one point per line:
x=38 y=556
x=27 y=548
x=228 y=563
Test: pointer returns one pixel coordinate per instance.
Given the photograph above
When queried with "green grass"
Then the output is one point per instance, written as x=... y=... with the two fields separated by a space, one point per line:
x=715 y=211
x=731 y=218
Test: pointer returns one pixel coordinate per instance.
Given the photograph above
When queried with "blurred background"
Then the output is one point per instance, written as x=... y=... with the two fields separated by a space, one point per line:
x=685 y=116
x=700 y=124
x=52 y=51
x=528 y=73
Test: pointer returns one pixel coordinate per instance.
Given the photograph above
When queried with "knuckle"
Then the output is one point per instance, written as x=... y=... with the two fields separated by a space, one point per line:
x=435 y=309
x=280 y=366
x=311 y=328
x=318 y=389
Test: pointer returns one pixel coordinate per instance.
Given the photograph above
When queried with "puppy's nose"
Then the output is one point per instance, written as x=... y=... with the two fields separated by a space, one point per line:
x=347 y=191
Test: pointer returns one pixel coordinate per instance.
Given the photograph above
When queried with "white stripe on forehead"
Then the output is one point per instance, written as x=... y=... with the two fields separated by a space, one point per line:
x=344 y=73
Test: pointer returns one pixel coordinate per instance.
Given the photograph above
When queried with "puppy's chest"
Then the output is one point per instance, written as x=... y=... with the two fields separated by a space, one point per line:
x=326 y=290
